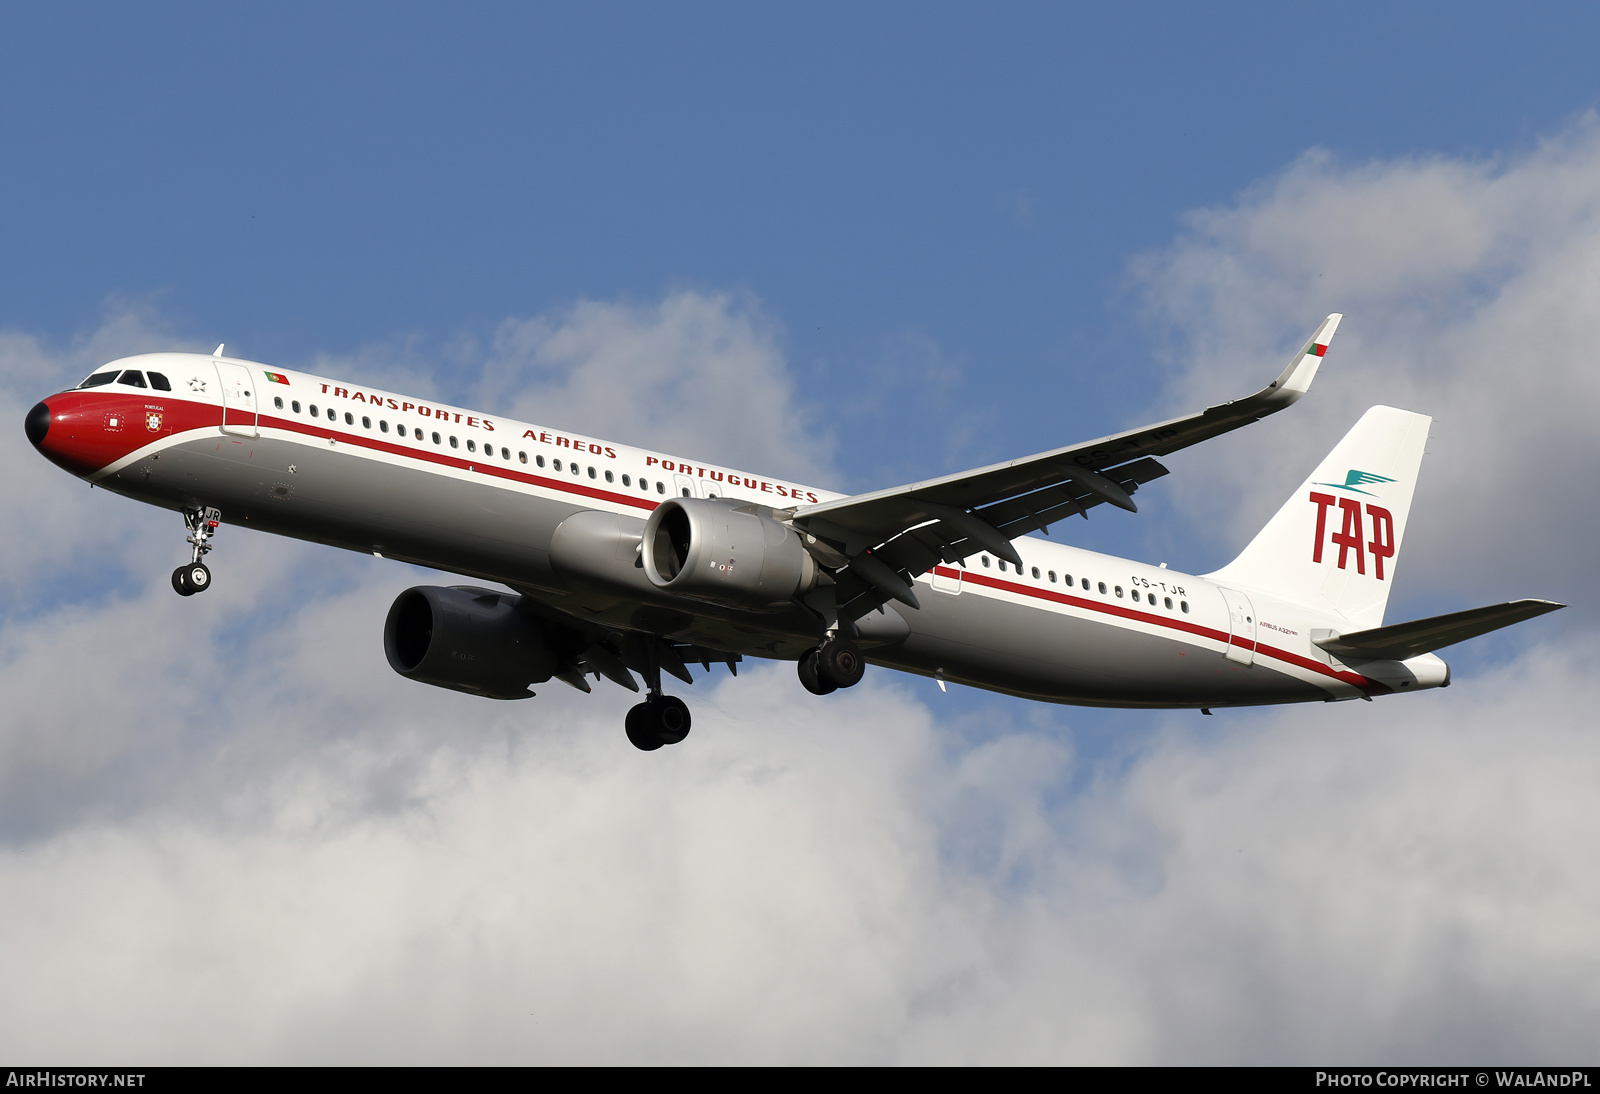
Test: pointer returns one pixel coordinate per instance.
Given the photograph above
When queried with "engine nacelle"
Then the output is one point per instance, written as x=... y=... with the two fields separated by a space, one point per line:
x=466 y=639
x=719 y=550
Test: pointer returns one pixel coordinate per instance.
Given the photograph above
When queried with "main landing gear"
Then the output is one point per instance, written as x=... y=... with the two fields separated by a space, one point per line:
x=196 y=576
x=660 y=719
x=833 y=665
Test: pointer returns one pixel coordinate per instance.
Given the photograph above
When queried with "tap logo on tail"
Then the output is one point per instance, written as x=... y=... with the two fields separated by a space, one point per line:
x=1351 y=537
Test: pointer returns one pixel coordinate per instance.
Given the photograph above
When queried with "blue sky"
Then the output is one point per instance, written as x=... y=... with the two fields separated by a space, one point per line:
x=902 y=239
x=298 y=179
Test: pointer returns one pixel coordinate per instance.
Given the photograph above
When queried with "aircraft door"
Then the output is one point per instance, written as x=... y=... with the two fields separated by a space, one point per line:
x=1241 y=627
x=238 y=399
x=685 y=486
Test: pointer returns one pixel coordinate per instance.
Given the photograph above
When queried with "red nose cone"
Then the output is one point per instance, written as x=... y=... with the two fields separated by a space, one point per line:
x=78 y=431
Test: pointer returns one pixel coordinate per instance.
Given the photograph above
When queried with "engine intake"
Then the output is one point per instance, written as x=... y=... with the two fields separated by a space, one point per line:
x=466 y=639
x=722 y=551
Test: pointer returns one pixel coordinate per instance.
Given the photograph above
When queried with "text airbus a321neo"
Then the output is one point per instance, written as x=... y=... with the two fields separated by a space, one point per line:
x=629 y=561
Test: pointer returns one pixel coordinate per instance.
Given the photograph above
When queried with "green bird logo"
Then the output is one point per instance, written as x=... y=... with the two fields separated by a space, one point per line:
x=1354 y=480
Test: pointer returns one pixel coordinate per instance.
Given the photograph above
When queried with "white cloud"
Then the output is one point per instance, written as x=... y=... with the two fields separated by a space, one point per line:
x=230 y=834
x=701 y=374
x=1345 y=884
x=1469 y=292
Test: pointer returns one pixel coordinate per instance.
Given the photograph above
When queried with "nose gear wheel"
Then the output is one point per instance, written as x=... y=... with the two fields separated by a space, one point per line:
x=191 y=579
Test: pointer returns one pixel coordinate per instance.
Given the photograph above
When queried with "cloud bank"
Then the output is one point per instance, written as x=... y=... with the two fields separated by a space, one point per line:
x=1469 y=291
x=229 y=834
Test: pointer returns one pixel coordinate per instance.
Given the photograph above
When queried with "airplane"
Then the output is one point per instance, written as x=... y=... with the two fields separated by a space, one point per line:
x=624 y=560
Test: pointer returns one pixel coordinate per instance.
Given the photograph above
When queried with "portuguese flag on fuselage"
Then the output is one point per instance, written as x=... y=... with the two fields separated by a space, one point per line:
x=277 y=378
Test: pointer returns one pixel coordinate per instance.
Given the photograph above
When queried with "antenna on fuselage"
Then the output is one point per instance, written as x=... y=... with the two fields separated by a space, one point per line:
x=218 y=351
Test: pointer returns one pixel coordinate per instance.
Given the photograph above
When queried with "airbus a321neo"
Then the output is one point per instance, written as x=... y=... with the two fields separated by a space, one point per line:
x=627 y=560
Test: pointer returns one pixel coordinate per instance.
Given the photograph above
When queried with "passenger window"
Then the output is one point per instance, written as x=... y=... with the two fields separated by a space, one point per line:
x=1102 y=588
x=1052 y=577
x=332 y=417
x=277 y=401
x=661 y=488
x=472 y=445
x=626 y=481
x=99 y=379
x=1036 y=573
x=133 y=378
x=1118 y=591
x=540 y=461
x=383 y=425
x=685 y=491
x=160 y=383
x=505 y=454
x=609 y=477
x=591 y=473
x=436 y=438
x=985 y=562
x=1167 y=602
x=555 y=465
x=313 y=410
x=419 y=433
x=1152 y=598
x=1184 y=604
x=366 y=423
x=349 y=418
x=522 y=457
x=576 y=470
x=294 y=405
x=454 y=443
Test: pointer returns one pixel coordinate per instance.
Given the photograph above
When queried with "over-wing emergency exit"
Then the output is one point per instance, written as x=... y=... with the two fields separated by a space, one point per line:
x=623 y=563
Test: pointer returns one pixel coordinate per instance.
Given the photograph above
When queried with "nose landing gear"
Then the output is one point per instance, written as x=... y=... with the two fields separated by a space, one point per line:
x=196 y=576
x=833 y=665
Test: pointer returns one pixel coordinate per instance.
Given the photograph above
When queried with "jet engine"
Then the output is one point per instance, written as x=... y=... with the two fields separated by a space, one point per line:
x=725 y=552
x=466 y=639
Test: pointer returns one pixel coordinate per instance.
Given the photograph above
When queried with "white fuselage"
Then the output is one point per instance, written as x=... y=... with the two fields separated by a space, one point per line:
x=365 y=469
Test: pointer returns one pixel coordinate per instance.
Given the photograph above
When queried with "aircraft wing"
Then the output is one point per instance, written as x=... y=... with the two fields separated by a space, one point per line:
x=1402 y=640
x=890 y=536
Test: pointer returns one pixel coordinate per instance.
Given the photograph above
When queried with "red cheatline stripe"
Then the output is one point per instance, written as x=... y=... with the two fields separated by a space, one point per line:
x=1353 y=678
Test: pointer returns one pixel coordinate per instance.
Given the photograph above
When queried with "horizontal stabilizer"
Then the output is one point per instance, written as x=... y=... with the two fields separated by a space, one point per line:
x=1403 y=640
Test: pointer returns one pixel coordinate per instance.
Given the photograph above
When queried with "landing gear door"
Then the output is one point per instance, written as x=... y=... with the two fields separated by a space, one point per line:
x=946 y=578
x=238 y=399
x=1241 y=627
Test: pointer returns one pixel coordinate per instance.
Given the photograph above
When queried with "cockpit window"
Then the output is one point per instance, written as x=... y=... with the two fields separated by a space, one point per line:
x=99 y=379
x=159 y=382
x=132 y=377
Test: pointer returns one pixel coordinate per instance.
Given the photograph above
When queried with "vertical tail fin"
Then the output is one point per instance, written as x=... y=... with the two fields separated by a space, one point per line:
x=1335 y=544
